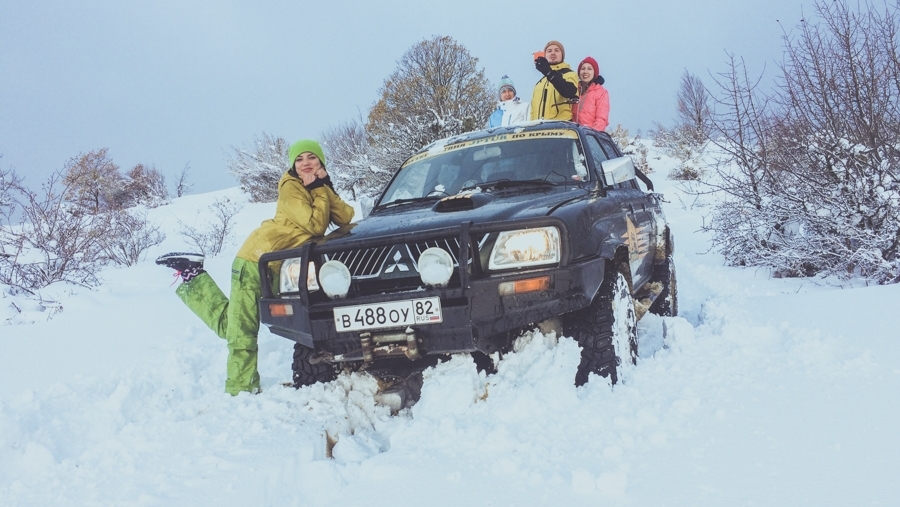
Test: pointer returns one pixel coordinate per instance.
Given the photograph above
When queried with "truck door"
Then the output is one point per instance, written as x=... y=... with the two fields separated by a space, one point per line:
x=637 y=228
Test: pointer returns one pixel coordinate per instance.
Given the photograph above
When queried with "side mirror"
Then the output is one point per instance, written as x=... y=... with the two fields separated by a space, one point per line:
x=618 y=170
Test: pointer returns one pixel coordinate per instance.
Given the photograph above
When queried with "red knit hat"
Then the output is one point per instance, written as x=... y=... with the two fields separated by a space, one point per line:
x=593 y=64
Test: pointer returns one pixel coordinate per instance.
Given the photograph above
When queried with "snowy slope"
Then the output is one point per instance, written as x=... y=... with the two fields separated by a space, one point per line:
x=767 y=392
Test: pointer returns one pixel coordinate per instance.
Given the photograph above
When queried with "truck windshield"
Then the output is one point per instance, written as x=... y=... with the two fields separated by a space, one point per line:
x=552 y=156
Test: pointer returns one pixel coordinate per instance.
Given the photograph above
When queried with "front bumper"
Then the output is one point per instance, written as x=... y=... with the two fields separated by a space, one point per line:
x=475 y=316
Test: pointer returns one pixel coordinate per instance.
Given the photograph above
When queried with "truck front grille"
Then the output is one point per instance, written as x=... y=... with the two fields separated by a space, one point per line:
x=366 y=263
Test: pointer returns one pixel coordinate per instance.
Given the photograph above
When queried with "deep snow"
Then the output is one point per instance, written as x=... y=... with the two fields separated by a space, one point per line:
x=763 y=391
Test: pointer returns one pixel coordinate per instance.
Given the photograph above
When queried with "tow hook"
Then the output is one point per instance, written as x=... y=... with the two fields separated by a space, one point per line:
x=365 y=341
x=412 y=345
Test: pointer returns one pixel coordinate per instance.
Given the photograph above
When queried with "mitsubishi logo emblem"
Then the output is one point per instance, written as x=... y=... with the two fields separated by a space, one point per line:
x=397 y=264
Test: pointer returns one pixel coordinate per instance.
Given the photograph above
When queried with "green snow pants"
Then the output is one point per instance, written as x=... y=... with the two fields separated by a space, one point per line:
x=236 y=320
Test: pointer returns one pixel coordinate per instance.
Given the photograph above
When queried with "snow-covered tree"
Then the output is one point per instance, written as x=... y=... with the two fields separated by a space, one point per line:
x=351 y=161
x=693 y=107
x=181 y=184
x=143 y=186
x=437 y=90
x=93 y=181
x=259 y=167
x=812 y=172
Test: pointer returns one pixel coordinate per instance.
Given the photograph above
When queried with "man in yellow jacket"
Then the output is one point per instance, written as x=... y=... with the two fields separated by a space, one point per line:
x=306 y=205
x=555 y=93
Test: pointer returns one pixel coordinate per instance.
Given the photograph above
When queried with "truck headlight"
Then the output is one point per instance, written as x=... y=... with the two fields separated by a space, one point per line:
x=290 y=276
x=526 y=247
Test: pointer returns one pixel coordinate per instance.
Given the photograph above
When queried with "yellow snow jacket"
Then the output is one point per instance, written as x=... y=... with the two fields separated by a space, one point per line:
x=546 y=101
x=300 y=214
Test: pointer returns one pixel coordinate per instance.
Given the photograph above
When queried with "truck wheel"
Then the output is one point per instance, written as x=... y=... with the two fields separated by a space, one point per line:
x=306 y=374
x=666 y=304
x=606 y=331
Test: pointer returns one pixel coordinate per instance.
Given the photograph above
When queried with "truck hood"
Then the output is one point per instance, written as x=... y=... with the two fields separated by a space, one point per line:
x=480 y=207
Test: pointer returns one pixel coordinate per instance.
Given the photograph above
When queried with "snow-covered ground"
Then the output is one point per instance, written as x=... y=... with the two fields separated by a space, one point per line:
x=780 y=392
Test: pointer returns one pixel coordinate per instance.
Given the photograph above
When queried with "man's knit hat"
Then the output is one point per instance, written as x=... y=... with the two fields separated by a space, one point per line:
x=506 y=83
x=302 y=146
x=556 y=43
x=593 y=64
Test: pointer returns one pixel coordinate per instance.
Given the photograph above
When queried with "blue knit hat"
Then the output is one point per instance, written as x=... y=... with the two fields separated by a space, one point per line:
x=506 y=82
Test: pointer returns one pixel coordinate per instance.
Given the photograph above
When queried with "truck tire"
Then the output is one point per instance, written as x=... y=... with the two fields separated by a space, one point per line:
x=666 y=304
x=306 y=374
x=606 y=331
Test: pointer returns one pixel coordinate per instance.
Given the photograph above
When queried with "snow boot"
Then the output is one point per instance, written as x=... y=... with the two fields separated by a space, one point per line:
x=186 y=264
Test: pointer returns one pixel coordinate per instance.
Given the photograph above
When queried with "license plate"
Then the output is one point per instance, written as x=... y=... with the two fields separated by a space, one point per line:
x=391 y=314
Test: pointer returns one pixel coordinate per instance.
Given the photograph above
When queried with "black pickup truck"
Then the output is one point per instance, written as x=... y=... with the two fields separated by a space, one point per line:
x=477 y=238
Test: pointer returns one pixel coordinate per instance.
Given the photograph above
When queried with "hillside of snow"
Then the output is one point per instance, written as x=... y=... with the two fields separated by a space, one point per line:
x=774 y=392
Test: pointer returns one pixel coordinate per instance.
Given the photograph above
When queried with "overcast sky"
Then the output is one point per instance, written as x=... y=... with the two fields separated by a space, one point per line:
x=175 y=82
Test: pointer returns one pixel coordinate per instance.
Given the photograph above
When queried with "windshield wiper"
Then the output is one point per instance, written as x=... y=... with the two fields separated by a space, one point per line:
x=409 y=200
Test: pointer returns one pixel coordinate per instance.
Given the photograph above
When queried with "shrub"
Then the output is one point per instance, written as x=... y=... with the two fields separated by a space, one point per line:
x=685 y=172
x=259 y=167
x=211 y=239
x=811 y=174
x=130 y=235
x=631 y=146
x=55 y=241
x=143 y=186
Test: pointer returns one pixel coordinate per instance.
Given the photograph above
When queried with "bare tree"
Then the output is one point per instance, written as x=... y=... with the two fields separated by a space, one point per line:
x=693 y=106
x=211 y=238
x=58 y=234
x=687 y=139
x=9 y=181
x=259 y=168
x=55 y=240
x=182 y=186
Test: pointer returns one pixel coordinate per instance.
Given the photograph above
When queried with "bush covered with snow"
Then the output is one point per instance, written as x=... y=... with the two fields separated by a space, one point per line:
x=811 y=173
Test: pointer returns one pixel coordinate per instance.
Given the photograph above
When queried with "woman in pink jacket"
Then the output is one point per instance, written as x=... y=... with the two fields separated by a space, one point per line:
x=593 y=106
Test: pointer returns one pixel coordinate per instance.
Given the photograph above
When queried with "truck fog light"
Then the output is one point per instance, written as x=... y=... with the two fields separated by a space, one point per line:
x=334 y=278
x=435 y=267
x=522 y=286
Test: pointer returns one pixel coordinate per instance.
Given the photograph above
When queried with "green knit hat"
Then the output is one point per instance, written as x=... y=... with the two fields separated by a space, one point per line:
x=302 y=146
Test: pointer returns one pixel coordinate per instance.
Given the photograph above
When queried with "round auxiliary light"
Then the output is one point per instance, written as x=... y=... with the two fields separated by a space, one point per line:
x=435 y=267
x=334 y=278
